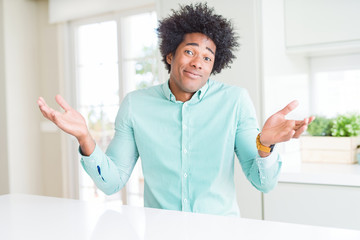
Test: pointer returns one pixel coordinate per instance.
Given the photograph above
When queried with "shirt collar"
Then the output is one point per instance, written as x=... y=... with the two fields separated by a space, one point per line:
x=197 y=97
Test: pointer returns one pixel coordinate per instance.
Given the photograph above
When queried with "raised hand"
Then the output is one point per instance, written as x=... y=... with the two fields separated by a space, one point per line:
x=278 y=129
x=70 y=121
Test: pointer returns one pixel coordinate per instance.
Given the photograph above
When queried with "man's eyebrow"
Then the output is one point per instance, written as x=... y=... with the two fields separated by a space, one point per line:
x=195 y=44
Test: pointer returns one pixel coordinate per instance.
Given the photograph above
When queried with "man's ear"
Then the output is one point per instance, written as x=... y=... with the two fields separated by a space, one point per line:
x=169 y=58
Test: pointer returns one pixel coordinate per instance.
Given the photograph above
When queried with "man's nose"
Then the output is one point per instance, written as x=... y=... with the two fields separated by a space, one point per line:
x=196 y=62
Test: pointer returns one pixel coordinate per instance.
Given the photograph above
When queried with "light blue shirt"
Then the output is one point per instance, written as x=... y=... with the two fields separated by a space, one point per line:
x=186 y=149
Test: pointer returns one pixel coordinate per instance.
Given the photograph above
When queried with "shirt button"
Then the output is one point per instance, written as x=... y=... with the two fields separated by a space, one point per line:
x=184 y=126
x=185 y=151
x=185 y=175
x=185 y=200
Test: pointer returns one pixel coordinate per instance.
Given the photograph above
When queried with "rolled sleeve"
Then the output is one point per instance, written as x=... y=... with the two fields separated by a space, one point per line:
x=268 y=171
x=102 y=170
x=269 y=161
x=89 y=163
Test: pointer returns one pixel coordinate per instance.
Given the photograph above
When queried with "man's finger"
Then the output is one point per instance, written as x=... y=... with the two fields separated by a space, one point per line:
x=41 y=102
x=312 y=118
x=291 y=106
x=61 y=101
x=300 y=131
x=299 y=124
x=289 y=135
x=43 y=113
x=46 y=111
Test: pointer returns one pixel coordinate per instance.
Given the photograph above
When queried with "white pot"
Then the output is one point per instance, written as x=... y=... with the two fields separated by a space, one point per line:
x=329 y=149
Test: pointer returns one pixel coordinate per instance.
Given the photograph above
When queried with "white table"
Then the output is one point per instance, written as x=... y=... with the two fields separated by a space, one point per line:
x=37 y=217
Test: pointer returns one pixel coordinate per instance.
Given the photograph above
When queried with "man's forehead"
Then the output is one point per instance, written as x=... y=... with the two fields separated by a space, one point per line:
x=194 y=39
x=196 y=44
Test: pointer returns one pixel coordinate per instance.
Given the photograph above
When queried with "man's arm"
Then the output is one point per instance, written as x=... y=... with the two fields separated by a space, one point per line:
x=262 y=172
x=109 y=171
x=112 y=170
x=261 y=168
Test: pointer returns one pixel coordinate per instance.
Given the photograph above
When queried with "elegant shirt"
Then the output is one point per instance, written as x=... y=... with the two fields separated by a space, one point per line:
x=186 y=149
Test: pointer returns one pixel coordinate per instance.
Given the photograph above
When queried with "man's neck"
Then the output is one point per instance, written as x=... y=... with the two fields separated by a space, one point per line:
x=179 y=95
x=183 y=97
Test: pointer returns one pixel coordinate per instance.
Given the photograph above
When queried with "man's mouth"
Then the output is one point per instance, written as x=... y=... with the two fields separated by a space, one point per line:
x=192 y=74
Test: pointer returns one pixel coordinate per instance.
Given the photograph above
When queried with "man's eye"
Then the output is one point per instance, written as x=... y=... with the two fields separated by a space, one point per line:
x=207 y=59
x=189 y=52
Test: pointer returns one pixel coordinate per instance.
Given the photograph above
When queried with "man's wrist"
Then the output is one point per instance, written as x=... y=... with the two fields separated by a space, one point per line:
x=87 y=144
x=263 y=154
x=266 y=148
x=263 y=141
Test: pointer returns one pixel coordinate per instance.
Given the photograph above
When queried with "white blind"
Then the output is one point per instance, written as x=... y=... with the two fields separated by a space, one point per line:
x=65 y=10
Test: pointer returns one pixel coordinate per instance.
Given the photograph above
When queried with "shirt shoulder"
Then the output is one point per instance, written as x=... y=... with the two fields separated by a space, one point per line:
x=227 y=91
x=134 y=101
x=147 y=95
x=146 y=92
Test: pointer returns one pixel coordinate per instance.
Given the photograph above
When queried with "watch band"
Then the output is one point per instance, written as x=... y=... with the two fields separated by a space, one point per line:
x=262 y=147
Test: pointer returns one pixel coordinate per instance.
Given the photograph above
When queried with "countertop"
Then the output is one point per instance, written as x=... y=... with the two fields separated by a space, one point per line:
x=321 y=173
x=38 y=217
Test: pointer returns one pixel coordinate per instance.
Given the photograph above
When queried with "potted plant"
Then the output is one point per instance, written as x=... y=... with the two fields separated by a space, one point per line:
x=332 y=140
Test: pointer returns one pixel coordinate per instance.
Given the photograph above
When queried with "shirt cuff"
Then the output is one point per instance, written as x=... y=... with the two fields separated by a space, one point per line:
x=269 y=161
x=96 y=154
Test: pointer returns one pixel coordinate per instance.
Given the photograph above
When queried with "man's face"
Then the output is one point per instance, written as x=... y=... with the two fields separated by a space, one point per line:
x=192 y=64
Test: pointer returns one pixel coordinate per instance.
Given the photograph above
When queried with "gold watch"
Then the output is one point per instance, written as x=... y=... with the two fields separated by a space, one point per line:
x=262 y=147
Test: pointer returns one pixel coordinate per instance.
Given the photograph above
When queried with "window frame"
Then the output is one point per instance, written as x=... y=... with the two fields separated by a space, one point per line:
x=71 y=86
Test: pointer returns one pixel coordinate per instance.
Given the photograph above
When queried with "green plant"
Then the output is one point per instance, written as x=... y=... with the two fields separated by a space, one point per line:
x=346 y=126
x=321 y=126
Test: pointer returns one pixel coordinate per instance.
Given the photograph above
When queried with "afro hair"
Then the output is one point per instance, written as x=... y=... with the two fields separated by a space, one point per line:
x=198 y=18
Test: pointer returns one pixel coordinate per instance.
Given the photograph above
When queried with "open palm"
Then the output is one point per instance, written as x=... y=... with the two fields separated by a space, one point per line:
x=70 y=121
x=278 y=129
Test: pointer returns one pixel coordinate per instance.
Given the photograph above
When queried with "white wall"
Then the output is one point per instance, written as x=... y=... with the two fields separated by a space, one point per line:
x=65 y=10
x=21 y=56
x=285 y=77
x=280 y=69
x=4 y=175
x=30 y=159
x=50 y=84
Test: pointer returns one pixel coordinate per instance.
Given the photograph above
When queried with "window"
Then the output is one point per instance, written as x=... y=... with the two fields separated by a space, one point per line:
x=331 y=87
x=335 y=85
x=112 y=56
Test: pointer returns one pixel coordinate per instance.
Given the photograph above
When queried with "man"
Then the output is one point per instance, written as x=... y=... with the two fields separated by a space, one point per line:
x=187 y=129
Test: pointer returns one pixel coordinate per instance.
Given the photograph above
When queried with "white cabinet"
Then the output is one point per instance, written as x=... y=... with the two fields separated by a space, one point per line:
x=322 y=24
x=322 y=205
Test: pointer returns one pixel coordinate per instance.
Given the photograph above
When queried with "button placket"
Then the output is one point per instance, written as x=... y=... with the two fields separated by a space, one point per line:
x=185 y=158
